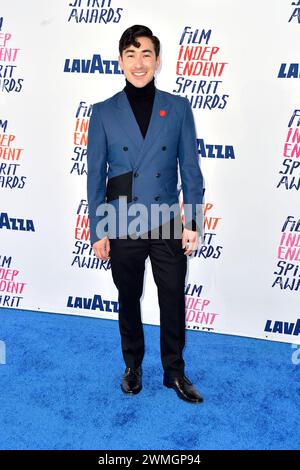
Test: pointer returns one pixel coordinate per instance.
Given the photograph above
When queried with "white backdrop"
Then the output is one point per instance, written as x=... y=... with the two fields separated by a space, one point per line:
x=243 y=106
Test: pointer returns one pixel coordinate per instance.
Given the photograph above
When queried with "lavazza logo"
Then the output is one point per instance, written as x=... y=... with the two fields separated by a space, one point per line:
x=13 y=223
x=283 y=327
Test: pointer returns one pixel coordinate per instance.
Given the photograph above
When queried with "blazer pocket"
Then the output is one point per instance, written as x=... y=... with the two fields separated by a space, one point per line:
x=120 y=185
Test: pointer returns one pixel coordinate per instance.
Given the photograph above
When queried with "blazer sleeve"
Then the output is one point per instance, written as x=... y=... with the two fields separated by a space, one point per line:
x=190 y=172
x=96 y=171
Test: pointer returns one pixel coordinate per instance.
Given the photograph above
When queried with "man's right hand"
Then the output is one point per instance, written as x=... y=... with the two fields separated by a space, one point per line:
x=102 y=248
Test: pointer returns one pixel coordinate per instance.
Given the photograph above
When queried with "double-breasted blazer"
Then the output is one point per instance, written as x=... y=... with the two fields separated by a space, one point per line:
x=122 y=163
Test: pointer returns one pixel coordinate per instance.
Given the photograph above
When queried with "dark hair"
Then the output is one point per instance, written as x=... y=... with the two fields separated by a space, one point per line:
x=131 y=34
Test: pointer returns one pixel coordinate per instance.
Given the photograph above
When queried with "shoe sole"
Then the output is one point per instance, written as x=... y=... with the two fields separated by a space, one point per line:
x=132 y=392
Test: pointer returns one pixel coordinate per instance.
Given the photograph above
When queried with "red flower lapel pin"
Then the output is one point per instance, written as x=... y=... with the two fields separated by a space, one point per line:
x=162 y=112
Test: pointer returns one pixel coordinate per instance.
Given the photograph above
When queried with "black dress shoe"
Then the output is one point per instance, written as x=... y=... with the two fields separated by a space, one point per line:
x=132 y=381
x=184 y=388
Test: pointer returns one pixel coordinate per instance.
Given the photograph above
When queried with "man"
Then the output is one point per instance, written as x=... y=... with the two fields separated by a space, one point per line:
x=136 y=139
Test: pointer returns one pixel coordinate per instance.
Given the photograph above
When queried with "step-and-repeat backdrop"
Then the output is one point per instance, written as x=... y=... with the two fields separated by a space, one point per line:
x=238 y=63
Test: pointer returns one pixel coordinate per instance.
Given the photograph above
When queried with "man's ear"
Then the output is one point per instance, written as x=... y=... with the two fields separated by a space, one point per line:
x=120 y=62
x=158 y=62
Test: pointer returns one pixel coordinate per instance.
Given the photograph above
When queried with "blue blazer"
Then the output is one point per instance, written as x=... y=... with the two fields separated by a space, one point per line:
x=122 y=163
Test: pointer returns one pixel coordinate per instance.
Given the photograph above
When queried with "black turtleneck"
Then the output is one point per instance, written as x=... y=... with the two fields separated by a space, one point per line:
x=141 y=101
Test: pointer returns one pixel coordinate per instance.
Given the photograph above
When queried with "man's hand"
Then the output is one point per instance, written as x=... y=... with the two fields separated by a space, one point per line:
x=192 y=237
x=102 y=248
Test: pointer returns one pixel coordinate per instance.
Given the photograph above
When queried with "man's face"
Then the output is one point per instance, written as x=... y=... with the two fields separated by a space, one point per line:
x=139 y=64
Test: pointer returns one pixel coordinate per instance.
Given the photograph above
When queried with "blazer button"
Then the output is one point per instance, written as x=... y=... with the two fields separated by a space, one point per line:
x=135 y=174
x=164 y=148
x=157 y=198
x=135 y=198
x=157 y=175
x=125 y=149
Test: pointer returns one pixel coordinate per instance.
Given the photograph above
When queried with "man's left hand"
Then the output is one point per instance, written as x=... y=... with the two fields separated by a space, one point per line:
x=192 y=237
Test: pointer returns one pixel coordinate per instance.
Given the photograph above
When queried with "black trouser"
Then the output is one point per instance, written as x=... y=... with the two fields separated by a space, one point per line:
x=169 y=265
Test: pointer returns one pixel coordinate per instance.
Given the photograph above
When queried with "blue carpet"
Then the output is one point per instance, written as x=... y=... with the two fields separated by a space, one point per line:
x=60 y=390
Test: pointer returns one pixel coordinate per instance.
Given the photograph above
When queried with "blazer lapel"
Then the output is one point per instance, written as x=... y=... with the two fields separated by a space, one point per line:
x=127 y=120
x=159 y=118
